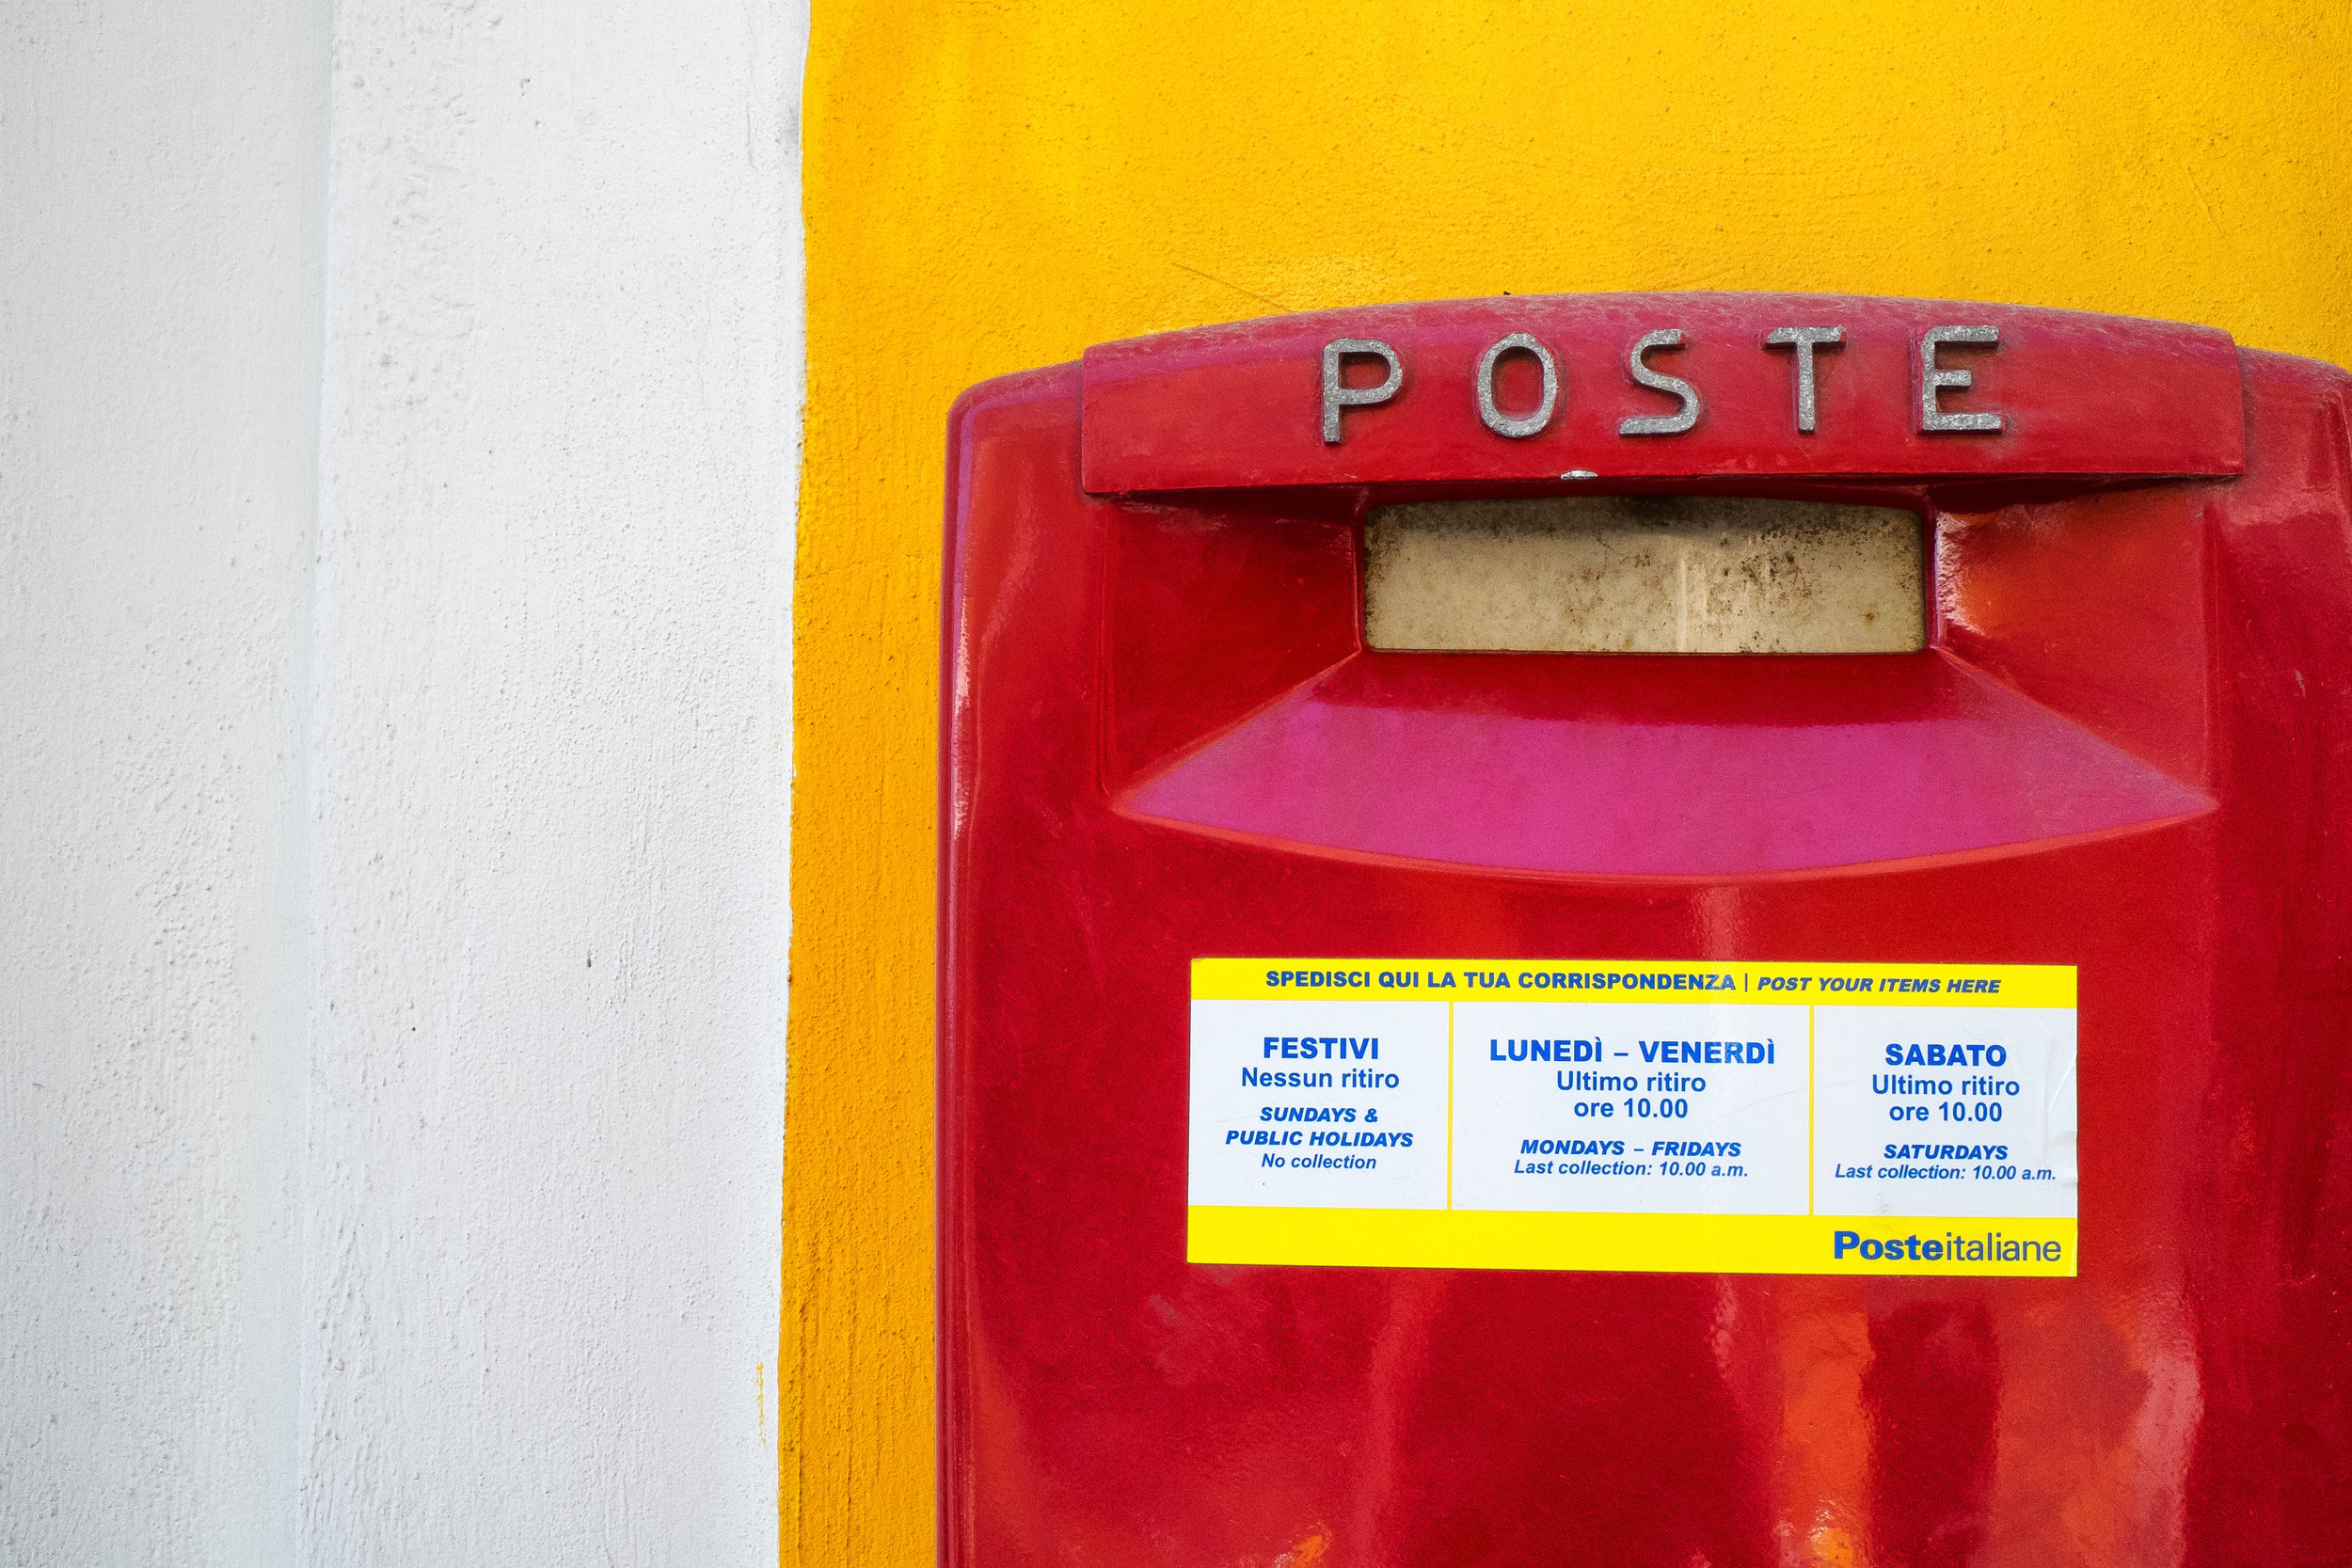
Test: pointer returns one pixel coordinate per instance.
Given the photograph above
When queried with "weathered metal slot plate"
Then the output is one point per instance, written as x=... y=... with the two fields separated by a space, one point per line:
x=1645 y=575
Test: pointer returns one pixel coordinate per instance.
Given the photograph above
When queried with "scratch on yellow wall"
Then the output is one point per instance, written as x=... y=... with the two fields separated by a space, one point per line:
x=993 y=186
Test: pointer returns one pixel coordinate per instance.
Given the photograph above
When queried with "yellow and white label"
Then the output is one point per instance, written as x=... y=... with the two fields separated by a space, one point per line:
x=1634 y=1116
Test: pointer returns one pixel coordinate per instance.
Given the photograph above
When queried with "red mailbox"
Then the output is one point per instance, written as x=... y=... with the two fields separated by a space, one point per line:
x=1652 y=929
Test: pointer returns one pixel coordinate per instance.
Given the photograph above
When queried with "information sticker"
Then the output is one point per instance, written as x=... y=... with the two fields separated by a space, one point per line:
x=1633 y=1115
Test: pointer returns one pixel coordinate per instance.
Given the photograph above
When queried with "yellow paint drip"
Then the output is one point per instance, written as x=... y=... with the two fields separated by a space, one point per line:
x=995 y=187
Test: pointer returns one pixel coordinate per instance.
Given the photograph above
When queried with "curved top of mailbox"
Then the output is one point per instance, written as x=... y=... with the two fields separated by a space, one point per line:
x=1661 y=386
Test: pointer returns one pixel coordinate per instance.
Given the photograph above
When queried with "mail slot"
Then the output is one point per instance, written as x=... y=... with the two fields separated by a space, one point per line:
x=1655 y=929
x=1643 y=574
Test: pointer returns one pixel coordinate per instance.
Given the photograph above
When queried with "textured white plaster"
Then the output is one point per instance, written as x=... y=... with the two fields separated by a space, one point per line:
x=161 y=187
x=545 y=1150
x=396 y=456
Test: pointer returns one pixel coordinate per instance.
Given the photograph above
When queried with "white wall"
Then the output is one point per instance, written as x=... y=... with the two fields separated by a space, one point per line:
x=395 y=479
x=545 y=1166
x=161 y=187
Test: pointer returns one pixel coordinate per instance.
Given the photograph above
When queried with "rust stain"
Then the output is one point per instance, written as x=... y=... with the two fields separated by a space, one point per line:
x=1308 y=1552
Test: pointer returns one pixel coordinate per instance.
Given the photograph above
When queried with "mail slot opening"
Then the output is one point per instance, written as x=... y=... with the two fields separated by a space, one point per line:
x=1645 y=575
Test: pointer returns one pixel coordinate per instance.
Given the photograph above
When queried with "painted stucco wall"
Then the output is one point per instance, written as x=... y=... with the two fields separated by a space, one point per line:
x=162 y=186
x=550 y=773
x=398 y=412
x=995 y=187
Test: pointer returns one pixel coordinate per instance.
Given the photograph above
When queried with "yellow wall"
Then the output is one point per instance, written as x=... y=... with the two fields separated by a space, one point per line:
x=993 y=186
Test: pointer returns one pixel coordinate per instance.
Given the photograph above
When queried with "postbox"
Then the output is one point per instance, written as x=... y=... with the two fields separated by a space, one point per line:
x=1648 y=929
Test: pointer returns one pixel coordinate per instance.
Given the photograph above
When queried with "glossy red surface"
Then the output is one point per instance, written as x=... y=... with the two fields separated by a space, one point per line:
x=2126 y=749
x=1242 y=404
